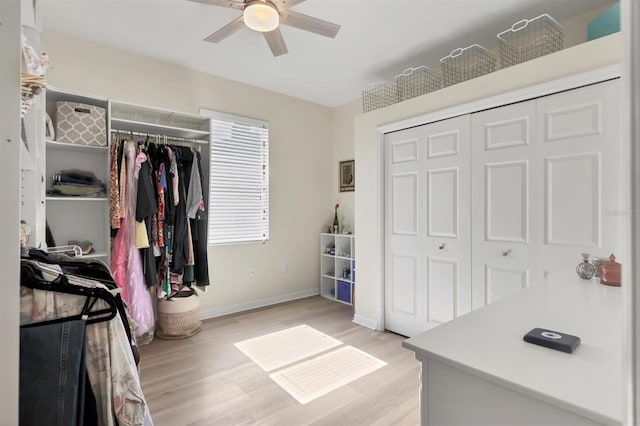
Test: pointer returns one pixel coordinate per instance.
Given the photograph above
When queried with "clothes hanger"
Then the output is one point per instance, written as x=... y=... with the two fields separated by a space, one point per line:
x=30 y=277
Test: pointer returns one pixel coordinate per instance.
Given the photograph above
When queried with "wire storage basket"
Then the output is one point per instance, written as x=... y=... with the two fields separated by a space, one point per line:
x=529 y=39
x=467 y=63
x=417 y=81
x=379 y=95
x=163 y=118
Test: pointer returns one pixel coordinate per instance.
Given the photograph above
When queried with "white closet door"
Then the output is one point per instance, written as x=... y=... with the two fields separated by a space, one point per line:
x=427 y=226
x=447 y=241
x=579 y=175
x=405 y=293
x=502 y=188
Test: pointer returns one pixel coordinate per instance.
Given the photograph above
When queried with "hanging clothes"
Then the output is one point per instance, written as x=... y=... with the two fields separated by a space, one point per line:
x=194 y=197
x=109 y=360
x=114 y=186
x=126 y=263
x=170 y=212
x=199 y=232
x=180 y=241
x=146 y=209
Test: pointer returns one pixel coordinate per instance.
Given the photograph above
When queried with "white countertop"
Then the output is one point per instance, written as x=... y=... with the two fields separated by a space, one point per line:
x=488 y=343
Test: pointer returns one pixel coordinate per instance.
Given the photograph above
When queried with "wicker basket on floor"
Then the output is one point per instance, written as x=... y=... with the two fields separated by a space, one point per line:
x=179 y=316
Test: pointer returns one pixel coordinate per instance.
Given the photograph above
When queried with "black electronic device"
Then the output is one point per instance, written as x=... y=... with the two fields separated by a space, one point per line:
x=552 y=339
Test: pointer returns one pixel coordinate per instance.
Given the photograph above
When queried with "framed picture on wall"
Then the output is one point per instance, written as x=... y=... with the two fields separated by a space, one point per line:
x=347 y=176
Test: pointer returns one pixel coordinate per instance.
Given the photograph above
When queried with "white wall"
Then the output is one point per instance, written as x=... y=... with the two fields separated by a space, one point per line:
x=368 y=153
x=300 y=161
x=10 y=212
x=342 y=137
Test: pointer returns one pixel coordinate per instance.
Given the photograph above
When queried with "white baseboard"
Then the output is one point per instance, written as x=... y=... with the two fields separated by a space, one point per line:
x=365 y=322
x=231 y=309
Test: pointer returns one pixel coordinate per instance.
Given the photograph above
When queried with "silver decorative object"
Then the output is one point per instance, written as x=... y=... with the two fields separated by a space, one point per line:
x=585 y=270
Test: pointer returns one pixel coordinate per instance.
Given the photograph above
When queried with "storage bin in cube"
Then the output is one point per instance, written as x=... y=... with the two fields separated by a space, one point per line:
x=344 y=291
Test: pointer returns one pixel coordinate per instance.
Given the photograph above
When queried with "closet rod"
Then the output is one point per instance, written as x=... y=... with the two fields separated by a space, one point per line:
x=160 y=138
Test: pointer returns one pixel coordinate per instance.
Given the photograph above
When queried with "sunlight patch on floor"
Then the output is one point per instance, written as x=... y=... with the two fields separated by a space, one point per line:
x=316 y=377
x=309 y=363
x=282 y=348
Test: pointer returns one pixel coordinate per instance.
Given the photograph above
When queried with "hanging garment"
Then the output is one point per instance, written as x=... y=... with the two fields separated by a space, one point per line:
x=94 y=270
x=174 y=176
x=51 y=355
x=146 y=208
x=199 y=235
x=110 y=364
x=171 y=194
x=180 y=244
x=162 y=185
x=114 y=186
x=126 y=264
x=189 y=268
x=194 y=194
x=122 y=181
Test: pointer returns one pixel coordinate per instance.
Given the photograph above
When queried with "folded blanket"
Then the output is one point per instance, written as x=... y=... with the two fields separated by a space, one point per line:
x=76 y=190
x=76 y=178
x=79 y=174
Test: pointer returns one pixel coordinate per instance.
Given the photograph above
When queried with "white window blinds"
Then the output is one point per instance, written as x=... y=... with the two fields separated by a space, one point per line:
x=239 y=180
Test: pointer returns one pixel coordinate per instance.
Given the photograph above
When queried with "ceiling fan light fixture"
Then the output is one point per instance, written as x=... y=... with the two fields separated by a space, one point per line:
x=261 y=16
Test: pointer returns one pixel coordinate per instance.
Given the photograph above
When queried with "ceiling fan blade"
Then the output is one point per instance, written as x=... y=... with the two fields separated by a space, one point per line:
x=309 y=23
x=291 y=3
x=276 y=42
x=227 y=30
x=283 y=5
x=223 y=3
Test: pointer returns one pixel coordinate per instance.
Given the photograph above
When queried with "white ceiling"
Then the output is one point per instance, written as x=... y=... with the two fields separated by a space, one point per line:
x=378 y=39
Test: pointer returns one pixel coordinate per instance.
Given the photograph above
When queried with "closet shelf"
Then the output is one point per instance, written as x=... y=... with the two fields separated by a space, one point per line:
x=95 y=255
x=63 y=146
x=141 y=127
x=54 y=198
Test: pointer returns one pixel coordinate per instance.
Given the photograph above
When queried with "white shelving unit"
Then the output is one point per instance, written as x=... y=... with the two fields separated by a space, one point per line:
x=87 y=218
x=338 y=267
x=78 y=218
x=32 y=146
x=126 y=117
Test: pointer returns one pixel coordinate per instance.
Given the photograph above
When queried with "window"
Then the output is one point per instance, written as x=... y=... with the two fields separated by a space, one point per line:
x=239 y=179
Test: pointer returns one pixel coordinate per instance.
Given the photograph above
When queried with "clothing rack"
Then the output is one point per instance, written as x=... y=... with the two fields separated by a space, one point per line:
x=163 y=139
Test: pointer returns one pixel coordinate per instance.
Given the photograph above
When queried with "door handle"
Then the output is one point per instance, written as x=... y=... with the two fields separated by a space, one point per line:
x=441 y=246
x=506 y=252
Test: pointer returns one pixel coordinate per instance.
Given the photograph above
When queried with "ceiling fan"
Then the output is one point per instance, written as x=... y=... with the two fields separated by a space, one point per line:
x=266 y=16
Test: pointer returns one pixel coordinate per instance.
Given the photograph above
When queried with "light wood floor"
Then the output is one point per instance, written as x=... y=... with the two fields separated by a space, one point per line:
x=205 y=380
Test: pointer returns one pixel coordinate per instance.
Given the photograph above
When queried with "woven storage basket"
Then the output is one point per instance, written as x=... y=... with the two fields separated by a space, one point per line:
x=179 y=316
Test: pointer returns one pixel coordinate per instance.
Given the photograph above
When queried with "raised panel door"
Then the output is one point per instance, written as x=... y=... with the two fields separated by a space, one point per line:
x=427 y=226
x=503 y=219
x=446 y=245
x=405 y=292
x=578 y=161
